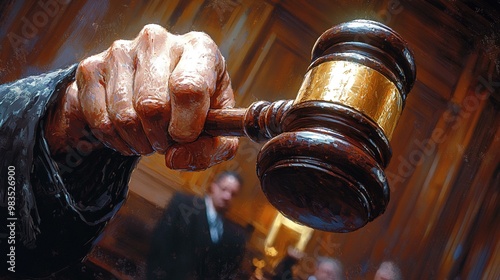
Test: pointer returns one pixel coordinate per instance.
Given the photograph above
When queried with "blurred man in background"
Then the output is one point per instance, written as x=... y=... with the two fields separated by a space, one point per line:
x=194 y=240
x=328 y=269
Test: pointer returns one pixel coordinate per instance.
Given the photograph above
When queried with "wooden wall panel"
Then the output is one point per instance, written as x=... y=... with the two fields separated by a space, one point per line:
x=442 y=219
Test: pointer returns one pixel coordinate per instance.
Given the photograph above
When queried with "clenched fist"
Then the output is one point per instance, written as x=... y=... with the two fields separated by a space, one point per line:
x=149 y=94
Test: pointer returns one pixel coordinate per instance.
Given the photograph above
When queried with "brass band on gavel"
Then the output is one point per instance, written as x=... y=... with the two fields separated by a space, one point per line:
x=357 y=86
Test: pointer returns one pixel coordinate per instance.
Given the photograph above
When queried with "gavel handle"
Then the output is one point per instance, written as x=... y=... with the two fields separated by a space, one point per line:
x=259 y=122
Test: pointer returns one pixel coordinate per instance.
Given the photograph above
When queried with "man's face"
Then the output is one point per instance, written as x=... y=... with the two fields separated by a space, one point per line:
x=223 y=192
x=327 y=271
x=384 y=273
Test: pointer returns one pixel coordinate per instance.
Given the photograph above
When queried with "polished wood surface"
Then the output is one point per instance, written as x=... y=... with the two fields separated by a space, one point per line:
x=261 y=121
x=442 y=220
x=323 y=166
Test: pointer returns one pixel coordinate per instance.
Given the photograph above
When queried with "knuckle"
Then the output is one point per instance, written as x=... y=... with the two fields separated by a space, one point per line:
x=153 y=31
x=104 y=128
x=121 y=90
x=201 y=37
x=203 y=40
x=150 y=107
x=89 y=65
x=119 y=47
x=89 y=71
x=185 y=85
x=126 y=119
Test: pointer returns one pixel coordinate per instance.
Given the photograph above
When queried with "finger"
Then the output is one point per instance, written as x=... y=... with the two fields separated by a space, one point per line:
x=151 y=96
x=119 y=93
x=91 y=94
x=223 y=96
x=201 y=154
x=192 y=83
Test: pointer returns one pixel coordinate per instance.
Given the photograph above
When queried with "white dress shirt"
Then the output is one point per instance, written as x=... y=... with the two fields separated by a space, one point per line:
x=214 y=220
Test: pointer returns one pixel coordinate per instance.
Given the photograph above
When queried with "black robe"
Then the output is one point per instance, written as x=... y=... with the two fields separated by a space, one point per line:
x=58 y=208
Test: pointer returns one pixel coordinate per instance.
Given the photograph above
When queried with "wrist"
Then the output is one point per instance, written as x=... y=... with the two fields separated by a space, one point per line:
x=65 y=128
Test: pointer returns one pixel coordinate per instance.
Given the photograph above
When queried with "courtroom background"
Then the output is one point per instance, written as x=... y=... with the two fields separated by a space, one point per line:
x=443 y=218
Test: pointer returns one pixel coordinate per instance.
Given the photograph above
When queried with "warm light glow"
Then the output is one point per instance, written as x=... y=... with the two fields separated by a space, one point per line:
x=271 y=251
x=280 y=220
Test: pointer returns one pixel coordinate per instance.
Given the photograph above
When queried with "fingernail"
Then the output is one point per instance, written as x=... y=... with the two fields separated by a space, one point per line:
x=179 y=158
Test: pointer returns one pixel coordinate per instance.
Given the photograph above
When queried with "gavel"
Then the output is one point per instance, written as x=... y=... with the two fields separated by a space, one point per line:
x=323 y=161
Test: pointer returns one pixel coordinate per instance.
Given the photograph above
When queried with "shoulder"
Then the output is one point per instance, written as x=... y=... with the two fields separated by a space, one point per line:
x=184 y=205
x=179 y=196
x=187 y=199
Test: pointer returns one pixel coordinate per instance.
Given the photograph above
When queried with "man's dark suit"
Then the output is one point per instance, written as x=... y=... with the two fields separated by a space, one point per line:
x=182 y=248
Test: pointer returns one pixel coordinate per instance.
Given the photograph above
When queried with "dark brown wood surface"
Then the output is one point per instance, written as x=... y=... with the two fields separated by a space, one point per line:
x=442 y=219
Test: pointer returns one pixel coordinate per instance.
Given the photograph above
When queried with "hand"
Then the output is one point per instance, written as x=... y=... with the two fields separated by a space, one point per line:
x=146 y=95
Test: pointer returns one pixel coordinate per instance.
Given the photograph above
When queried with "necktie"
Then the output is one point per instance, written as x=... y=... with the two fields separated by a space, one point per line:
x=216 y=228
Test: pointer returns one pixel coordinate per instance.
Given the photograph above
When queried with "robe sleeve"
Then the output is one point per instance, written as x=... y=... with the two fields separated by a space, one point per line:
x=51 y=212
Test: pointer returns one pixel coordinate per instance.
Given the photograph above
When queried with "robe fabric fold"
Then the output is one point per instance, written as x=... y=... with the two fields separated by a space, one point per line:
x=59 y=207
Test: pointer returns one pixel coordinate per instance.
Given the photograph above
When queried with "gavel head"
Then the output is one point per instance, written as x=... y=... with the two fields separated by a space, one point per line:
x=326 y=170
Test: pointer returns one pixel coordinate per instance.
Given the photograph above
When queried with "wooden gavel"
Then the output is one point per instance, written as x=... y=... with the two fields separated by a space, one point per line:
x=326 y=151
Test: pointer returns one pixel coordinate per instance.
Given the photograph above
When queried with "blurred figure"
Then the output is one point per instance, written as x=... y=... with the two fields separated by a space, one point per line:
x=284 y=269
x=388 y=270
x=328 y=269
x=194 y=240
